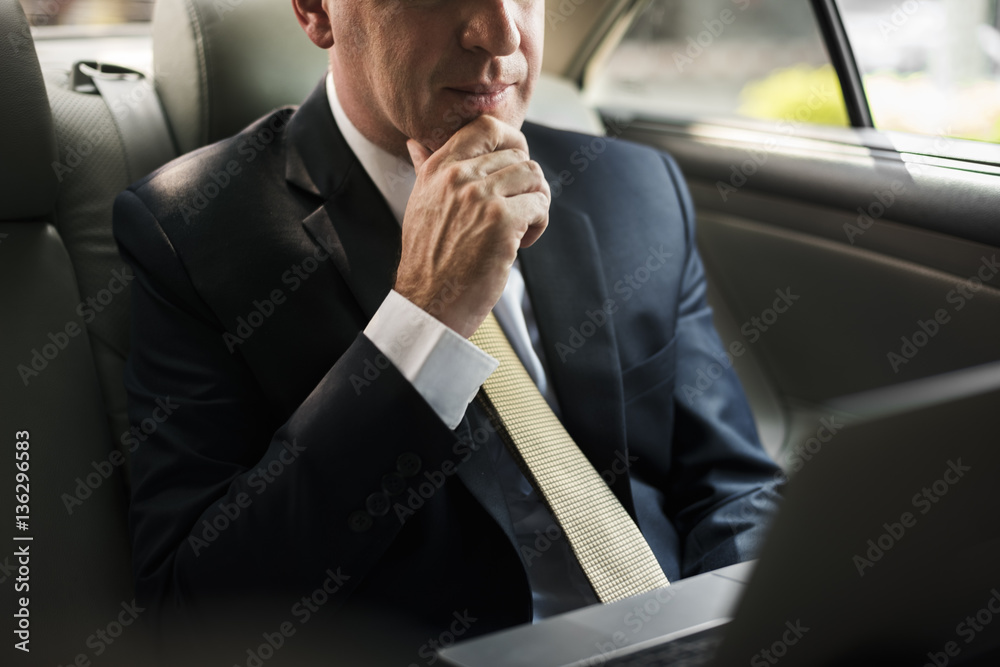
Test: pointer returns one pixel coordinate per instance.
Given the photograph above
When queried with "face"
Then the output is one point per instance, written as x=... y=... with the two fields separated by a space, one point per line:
x=422 y=69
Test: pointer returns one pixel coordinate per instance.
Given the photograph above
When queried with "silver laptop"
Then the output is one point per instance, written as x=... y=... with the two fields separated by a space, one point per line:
x=886 y=551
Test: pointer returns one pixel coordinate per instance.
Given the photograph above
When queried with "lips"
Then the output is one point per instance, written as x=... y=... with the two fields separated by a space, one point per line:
x=482 y=97
x=482 y=88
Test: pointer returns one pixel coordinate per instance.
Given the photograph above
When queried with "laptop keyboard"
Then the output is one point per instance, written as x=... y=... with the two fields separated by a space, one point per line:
x=691 y=651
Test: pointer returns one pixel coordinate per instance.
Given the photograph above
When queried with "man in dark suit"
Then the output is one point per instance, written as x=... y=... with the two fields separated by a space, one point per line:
x=303 y=300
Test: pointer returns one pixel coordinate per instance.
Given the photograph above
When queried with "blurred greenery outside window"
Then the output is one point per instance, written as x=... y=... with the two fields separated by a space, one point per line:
x=929 y=67
x=704 y=59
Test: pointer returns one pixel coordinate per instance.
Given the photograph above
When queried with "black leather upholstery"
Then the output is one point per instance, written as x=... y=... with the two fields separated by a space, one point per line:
x=27 y=183
x=78 y=573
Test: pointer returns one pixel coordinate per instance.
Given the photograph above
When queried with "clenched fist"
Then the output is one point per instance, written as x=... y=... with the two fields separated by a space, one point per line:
x=477 y=200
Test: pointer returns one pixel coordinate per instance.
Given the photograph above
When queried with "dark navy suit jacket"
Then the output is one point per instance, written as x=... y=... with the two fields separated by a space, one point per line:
x=298 y=458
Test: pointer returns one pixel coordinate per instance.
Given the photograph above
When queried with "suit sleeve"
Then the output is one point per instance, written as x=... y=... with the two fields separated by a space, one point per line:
x=723 y=487
x=225 y=499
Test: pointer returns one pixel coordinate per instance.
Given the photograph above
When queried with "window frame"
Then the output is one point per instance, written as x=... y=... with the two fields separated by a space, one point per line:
x=838 y=47
x=963 y=154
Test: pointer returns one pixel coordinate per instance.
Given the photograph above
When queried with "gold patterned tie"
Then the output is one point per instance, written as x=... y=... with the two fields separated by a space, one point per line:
x=607 y=543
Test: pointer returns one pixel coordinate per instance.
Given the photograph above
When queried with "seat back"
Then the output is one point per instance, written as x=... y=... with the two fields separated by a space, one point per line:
x=219 y=65
x=92 y=167
x=52 y=421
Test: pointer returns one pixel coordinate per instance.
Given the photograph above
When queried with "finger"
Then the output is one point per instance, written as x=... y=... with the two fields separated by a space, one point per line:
x=532 y=207
x=482 y=136
x=418 y=153
x=518 y=179
x=482 y=167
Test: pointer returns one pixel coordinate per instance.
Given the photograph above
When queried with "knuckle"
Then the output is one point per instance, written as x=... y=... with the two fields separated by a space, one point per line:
x=521 y=155
x=543 y=202
x=454 y=175
x=472 y=192
x=494 y=210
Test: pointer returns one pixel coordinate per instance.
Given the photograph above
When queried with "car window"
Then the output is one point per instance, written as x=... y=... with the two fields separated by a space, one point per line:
x=929 y=66
x=761 y=59
x=86 y=12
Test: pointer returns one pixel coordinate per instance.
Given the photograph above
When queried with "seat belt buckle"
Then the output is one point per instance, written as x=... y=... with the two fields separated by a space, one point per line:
x=85 y=71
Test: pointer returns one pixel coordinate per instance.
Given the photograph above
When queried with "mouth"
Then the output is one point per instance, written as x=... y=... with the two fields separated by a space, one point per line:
x=482 y=98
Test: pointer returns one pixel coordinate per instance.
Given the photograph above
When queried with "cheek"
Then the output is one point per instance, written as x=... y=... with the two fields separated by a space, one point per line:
x=533 y=40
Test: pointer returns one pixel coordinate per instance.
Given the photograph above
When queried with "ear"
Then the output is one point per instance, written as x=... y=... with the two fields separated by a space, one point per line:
x=315 y=20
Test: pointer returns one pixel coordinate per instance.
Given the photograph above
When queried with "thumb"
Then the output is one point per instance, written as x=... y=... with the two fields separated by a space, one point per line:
x=418 y=154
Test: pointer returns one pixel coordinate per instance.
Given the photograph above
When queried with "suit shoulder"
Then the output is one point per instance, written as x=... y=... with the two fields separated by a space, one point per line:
x=552 y=143
x=210 y=176
x=566 y=155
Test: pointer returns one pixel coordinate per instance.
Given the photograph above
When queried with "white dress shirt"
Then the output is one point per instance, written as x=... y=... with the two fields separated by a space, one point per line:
x=447 y=371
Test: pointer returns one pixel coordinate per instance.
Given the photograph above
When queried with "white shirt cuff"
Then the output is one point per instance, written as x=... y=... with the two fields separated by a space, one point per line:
x=445 y=368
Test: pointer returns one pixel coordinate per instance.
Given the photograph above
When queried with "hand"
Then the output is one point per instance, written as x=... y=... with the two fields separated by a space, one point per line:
x=476 y=201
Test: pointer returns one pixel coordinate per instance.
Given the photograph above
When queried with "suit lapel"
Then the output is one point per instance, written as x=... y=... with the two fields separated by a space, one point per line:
x=564 y=278
x=354 y=223
x=363 y=238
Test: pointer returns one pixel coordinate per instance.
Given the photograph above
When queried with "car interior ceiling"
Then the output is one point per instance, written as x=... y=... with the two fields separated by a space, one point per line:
x=214 y=75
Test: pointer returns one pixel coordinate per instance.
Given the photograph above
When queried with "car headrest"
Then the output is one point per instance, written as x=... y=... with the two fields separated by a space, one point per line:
x=220 y=64
x=27 y=181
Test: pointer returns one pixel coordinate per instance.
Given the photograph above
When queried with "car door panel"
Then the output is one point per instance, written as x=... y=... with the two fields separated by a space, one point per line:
x=864 y=245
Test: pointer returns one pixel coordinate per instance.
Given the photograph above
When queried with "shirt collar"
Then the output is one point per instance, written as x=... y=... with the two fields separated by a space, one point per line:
x=394 y=177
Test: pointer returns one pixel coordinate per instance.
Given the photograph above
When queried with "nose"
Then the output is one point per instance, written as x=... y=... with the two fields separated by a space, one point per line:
x=491 y=27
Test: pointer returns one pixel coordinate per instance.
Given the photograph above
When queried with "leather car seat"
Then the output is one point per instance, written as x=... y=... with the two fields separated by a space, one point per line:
x=76 y=575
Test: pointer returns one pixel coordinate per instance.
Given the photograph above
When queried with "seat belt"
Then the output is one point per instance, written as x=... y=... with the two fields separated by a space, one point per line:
x=135 y=106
